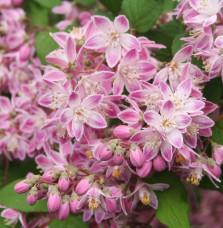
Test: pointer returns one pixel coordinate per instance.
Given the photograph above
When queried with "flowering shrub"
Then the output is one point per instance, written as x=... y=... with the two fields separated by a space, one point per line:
x=118 y=104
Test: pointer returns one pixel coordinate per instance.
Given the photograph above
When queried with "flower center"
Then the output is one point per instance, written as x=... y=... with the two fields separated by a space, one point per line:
x=93 y=204
x=193 y=130
x=145 y=199
x=116 y=172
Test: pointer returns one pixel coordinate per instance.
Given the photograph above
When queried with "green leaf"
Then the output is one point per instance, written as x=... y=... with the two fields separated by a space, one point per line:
x=70 y=222
x=213 y=90
x=177 y=43
x=168 y=5
x=169 y=31
x=86 y=2
x=9 y=198
x=113 y=6
x=45 y=44
x=142 y=14
x=217 y=132
x=49 y=3
x=173 y=206
x=206 y=184
x=37 y=13
x=2 y=223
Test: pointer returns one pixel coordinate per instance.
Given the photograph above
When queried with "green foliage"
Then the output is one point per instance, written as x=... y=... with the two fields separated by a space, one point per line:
x=45 y=44
x=86 y=2
x=165 y=34
x=213 y=90
x=48 y=3
x=217 y=132
x=168 y=5
x=177 y=43
x=113 y=6
x=37 y=13
x=2 y=223
x=9 y=198
x=71 y=222
x=142 y=14
x=173 y=205
x=206 y=184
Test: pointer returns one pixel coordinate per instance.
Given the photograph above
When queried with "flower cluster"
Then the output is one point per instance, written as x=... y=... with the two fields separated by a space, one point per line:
x=106 y=113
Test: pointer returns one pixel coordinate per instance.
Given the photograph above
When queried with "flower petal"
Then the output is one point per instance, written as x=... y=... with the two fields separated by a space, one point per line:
x=54 y=76
x=121 y=24
x=95 y=120
x=129 y=42
x=113 y=55
x=74 y=100
x=175 y=138
x=102 y=23
x=167 y=109
x=92 y=101
x=67 y=115
x=152 y=118
x=129 y=116
x=78 y=129
x=166 y=151
x=70 y=49
x=95 y=42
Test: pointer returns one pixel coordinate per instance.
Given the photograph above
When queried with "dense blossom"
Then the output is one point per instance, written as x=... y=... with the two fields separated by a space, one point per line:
x=106 y=113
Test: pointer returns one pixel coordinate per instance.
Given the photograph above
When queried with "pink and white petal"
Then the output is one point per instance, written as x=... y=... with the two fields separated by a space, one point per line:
x=118 y=85
x=158 y=186
x=161 y=76
x=102 y=76
x=74 y=100
x=166 y=151
x=78 y=129
x=141 y=135
x=152 y=118
x=92 y=101
x=165 y=91
x=211 y=20
x=203 y=121
x=219 y=42
x=129 y=116
x=129 y=42
x=5 y=104
x=149 y=153
x=190 y=140
x=207 y=132
x=133 y=85
x=183 y=54
x=10 y=213
x=95 y=42
x=70 y=49
x=5 y=124
x=87 y=214
x=167 y=110
x=58 y=160
x=113 y=55
x=130 y=57
x=175 y=138
x=43 y=161
x=102 y=23
x=194 y=106
x=95 y=120
x=67 y=115
x=153 y=198
x=184 y=89
x=99 y=215
x=182 y=121
x=54 y=76
x=121 y=24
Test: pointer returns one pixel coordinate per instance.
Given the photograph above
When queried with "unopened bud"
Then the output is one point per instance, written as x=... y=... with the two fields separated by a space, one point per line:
x=32 y=196
x=136 y=156
x=84 y=185
x=64 y=209
x=22 y=186
x=145 y=170
x=54 y=200
x=123 y=132
x=64 y=182
x=159 y=164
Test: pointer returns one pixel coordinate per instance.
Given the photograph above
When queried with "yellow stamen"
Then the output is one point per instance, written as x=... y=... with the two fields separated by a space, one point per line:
x=116 y=173
x=89 y=154
x=145 y=199
x=93 y=204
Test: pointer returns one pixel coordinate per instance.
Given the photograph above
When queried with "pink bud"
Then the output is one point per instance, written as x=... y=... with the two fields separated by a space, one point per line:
x=216 y=170
x=118 y=158
x=84 y=15
x=136 y=156
x=17 y=2
x=218 y=154
x=105 y=154
x=111 y=204
x=159 y=163
x=32 y=196
x=145 y=170
x=123 y=131
x=24 y=53
x=51 y=175
x=64 y=182
x=64 y=209
x=74 y=200
x=22 y=186
x=84 y=185
x=54 y=201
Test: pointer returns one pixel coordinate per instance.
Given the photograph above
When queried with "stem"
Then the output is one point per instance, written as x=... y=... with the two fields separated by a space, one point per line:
x=6 y=173
x=46 y=224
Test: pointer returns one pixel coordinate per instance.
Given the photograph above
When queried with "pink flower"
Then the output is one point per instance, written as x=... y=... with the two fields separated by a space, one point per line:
x=169 y=123
x=112 y=37
x=80 y=113
x=131 y=71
